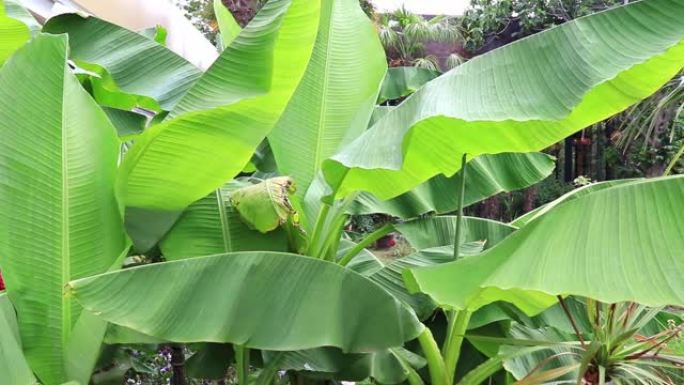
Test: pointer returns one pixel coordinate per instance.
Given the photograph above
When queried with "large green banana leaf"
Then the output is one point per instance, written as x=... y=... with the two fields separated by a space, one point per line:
x=264 y=300
x=336 y=95
x=212 y=133
x=487 y=175
x=576 y=193
x=13 y=366
x=213 y=226
x=13 y=34
x=137 y=65
x=59 y=219
x=403 y=81
x=623 y=243
x=440 y=231
x=522 y=97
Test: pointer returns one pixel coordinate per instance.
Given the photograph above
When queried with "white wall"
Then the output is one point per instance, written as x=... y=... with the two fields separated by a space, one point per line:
x=424 y=7
x=136 y=15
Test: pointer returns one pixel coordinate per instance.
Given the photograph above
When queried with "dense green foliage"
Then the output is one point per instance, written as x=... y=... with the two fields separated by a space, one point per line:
x=496 y=23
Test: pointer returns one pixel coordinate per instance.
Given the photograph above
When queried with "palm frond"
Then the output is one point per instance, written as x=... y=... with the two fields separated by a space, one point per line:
x=429 y=62
x=454 y=60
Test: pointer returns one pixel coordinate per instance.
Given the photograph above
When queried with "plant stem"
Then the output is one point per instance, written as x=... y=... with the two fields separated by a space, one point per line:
x=458 y=320
x=318 y=227
x=333 y=232
x=434 y=359
x=367 y=241
x=242 y=363
x=177 y=365
x=652 y=347
x=328 y=250
x=459 y=218
x=674 y=160
x=458 y=324
x=571 y=319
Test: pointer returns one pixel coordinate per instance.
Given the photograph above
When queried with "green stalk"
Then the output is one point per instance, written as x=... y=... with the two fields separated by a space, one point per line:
x=367 y=241
x=458 y=324
x=332 y=229
x=331 y=246
x=242 y=363
x=482 y=372
x=178 y=365
x=459 y=218
x=434 y=359
x=318 y=227
x=328 y=250
x=458 y=320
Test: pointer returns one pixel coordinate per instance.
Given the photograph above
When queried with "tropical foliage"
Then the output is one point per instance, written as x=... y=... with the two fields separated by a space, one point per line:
x=145 y=202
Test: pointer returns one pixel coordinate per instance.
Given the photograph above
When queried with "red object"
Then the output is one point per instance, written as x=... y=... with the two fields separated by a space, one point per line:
x=2 y=283
x=386 y=242
x=583 y=141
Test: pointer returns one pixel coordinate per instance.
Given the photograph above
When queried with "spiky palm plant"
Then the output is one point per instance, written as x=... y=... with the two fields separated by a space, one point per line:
x=404 y=35
x=620 y=344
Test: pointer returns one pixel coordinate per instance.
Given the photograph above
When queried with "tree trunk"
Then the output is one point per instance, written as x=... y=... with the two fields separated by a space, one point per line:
x=178 y=365
x=491 y=208
x=530 y=199
x=243 y=10
x=567 y=160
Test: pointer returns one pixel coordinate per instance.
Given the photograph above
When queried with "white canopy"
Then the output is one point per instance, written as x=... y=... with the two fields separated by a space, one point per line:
x=183 y=38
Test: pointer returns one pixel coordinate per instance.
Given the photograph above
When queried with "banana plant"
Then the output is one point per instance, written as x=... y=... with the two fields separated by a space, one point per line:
x=304 y=77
